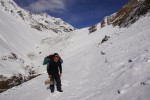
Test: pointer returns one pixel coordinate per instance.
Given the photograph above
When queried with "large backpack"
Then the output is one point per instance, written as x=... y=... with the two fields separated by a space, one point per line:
x=49 y=58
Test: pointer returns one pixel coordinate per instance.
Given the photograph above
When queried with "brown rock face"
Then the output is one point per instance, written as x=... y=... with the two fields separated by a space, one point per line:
x=129 y=14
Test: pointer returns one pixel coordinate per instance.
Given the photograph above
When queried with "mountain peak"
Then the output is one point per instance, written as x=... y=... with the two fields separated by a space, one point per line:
x=40 y=22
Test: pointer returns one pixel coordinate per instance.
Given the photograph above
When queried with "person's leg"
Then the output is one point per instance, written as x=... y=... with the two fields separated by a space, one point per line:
x=58 y=83
x=52 y=87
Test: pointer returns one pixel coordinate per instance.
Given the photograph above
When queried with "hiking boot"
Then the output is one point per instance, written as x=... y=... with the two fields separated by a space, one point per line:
x=60 y=90
x=52 y=91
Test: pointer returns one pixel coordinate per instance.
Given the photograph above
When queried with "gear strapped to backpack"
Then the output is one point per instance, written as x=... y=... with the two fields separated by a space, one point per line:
x=49 y=58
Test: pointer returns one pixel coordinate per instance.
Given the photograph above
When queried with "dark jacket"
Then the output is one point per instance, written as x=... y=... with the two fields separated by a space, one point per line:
x=54 y=68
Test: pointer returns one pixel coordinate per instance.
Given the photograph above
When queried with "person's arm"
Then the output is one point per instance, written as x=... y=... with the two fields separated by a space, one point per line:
x=60 y=69
x=48 y=70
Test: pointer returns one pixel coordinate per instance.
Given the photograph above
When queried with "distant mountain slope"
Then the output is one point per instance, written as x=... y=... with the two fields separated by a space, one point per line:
x=129 y=14
x=41 y=22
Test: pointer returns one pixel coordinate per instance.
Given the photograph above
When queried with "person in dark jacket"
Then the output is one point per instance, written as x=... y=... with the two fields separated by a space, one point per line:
x=54 y=70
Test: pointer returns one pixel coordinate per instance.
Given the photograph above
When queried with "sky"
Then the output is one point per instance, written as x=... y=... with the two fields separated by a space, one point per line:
x=78 y=13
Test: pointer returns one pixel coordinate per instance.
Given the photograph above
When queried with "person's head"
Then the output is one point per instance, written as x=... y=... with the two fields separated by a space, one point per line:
x=56 y=57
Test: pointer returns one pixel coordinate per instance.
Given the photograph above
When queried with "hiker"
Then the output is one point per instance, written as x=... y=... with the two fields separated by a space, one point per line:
x=54 y=70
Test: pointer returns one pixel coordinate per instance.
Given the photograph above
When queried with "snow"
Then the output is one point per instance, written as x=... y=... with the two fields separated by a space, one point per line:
x=122 y=73
x=14 y=38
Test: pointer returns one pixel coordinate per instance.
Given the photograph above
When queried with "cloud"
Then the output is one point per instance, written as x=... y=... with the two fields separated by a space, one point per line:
x=49 y=5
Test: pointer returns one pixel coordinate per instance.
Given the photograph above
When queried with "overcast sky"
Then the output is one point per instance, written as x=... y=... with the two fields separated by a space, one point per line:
x=78 y=13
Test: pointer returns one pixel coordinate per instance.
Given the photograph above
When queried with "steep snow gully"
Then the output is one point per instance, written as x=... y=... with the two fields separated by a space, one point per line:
x=117 y=69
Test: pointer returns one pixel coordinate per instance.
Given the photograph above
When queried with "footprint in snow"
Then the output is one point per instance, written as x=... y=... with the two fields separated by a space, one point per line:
x=53 y=95
x=65 y=83
x=124 y=89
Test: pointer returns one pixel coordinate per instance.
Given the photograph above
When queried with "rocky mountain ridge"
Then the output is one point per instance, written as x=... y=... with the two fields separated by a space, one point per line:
x=40 y=22
x=129 y=14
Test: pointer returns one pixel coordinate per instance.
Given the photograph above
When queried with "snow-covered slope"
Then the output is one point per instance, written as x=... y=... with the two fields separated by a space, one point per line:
x=15 y=37
x=21 y=33
x=115 y=69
